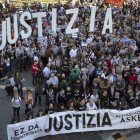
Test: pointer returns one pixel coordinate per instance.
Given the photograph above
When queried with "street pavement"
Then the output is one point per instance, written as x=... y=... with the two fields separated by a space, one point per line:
x=6 y=115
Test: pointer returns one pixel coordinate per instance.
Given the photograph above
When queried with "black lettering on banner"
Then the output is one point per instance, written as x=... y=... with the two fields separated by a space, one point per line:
x=89 y=125
x=128 y=119
x=31 y=127
x=55 y=123
x=22 y=130
x=138 y=117
x=68 y=122
x=122 y=120
x=36 y=126
x=133 y=118
x=50 y=126
x=84 y=121
x=104 y=122
x=98 y=119
x=16 y=132
x=77 y=119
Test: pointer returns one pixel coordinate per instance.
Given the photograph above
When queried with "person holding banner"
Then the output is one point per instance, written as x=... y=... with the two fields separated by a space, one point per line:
x=81 y=106
x=91 y=105
x=103 y=100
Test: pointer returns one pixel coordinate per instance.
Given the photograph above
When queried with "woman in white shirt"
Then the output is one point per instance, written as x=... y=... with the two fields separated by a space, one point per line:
x=91 y=105
x=35 y=57
x=16 y=100
x=95 y=97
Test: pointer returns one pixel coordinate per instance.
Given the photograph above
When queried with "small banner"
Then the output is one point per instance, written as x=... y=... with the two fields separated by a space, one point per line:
x=118 y=3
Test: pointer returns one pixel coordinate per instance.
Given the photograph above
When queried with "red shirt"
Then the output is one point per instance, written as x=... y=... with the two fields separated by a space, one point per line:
x=34 y=71
x=133 y=78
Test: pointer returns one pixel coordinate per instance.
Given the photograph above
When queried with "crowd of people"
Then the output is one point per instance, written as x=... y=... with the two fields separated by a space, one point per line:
x=94 y=71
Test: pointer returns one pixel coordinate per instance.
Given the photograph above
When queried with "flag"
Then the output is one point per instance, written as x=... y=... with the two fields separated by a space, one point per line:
x=118 y=3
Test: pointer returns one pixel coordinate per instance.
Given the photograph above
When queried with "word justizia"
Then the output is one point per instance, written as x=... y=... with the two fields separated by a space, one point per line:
x=40 y=15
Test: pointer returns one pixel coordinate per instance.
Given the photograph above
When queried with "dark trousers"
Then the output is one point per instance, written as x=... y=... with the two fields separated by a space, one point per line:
x=16 y=110
x=30 y=61
x=34 y=78
x=11 y=66
x=11 y=91
x=22 y=65
x=20 y=92
x=37 y=95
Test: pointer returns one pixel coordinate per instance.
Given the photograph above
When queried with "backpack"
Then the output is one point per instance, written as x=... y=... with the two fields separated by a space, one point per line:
x=14 y=98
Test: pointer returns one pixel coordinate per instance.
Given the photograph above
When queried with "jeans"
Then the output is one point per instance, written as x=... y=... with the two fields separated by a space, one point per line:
x=21 y=65
x=30 y=61
x=19 y=88
x=16 y=109
x=34 y=78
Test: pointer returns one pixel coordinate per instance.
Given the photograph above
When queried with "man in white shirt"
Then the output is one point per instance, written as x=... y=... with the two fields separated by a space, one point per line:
x=54 y=80
x=73 y=52
x=46 y=72
x=91 y=105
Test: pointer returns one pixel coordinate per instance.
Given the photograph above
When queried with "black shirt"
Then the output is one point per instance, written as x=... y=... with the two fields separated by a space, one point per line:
x=49 y=111
x=80 y=107
x=77 y=95
x=69 y=95
x=104 y=98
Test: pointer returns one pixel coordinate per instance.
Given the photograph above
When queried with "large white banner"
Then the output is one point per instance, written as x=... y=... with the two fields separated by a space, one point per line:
x=72 y=121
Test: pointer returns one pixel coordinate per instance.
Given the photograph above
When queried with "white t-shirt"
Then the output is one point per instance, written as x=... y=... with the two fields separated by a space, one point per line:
x=94 y=97
x=36 y=58
x=47 y=72
x=16 y=101
x=91 y=107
